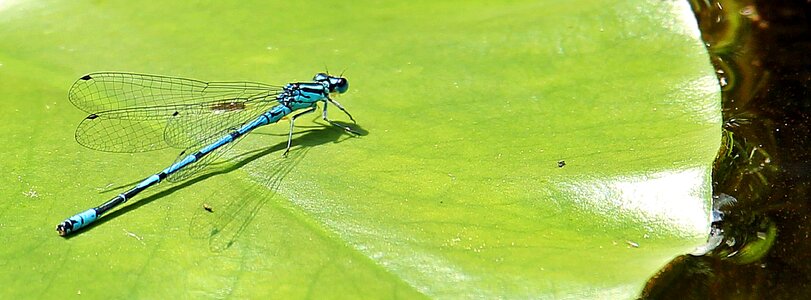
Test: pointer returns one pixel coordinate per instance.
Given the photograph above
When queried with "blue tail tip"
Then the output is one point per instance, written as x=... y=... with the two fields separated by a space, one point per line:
x=75 y=222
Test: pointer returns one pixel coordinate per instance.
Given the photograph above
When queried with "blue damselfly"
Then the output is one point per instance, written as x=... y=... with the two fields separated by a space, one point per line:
x=136 y=113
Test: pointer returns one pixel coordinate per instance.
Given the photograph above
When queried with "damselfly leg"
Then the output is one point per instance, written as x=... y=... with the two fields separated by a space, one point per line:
x=324 y=116
x=290 y=134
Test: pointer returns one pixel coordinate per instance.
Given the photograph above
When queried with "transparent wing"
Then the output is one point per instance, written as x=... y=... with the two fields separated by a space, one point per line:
x=106 y=91
x=204 y=161
x=136 y=113
x=192 y=126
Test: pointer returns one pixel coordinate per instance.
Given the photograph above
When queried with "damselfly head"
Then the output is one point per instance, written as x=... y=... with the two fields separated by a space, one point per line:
x=335 y=84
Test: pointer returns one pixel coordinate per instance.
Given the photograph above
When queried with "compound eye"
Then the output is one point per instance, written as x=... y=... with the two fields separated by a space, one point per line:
x=342 y=85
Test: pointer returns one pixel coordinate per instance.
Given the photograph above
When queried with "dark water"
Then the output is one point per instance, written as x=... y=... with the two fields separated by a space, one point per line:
x=762 y=54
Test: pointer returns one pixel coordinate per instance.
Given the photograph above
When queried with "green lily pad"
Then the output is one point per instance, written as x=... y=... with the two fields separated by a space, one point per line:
x=521 y=150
